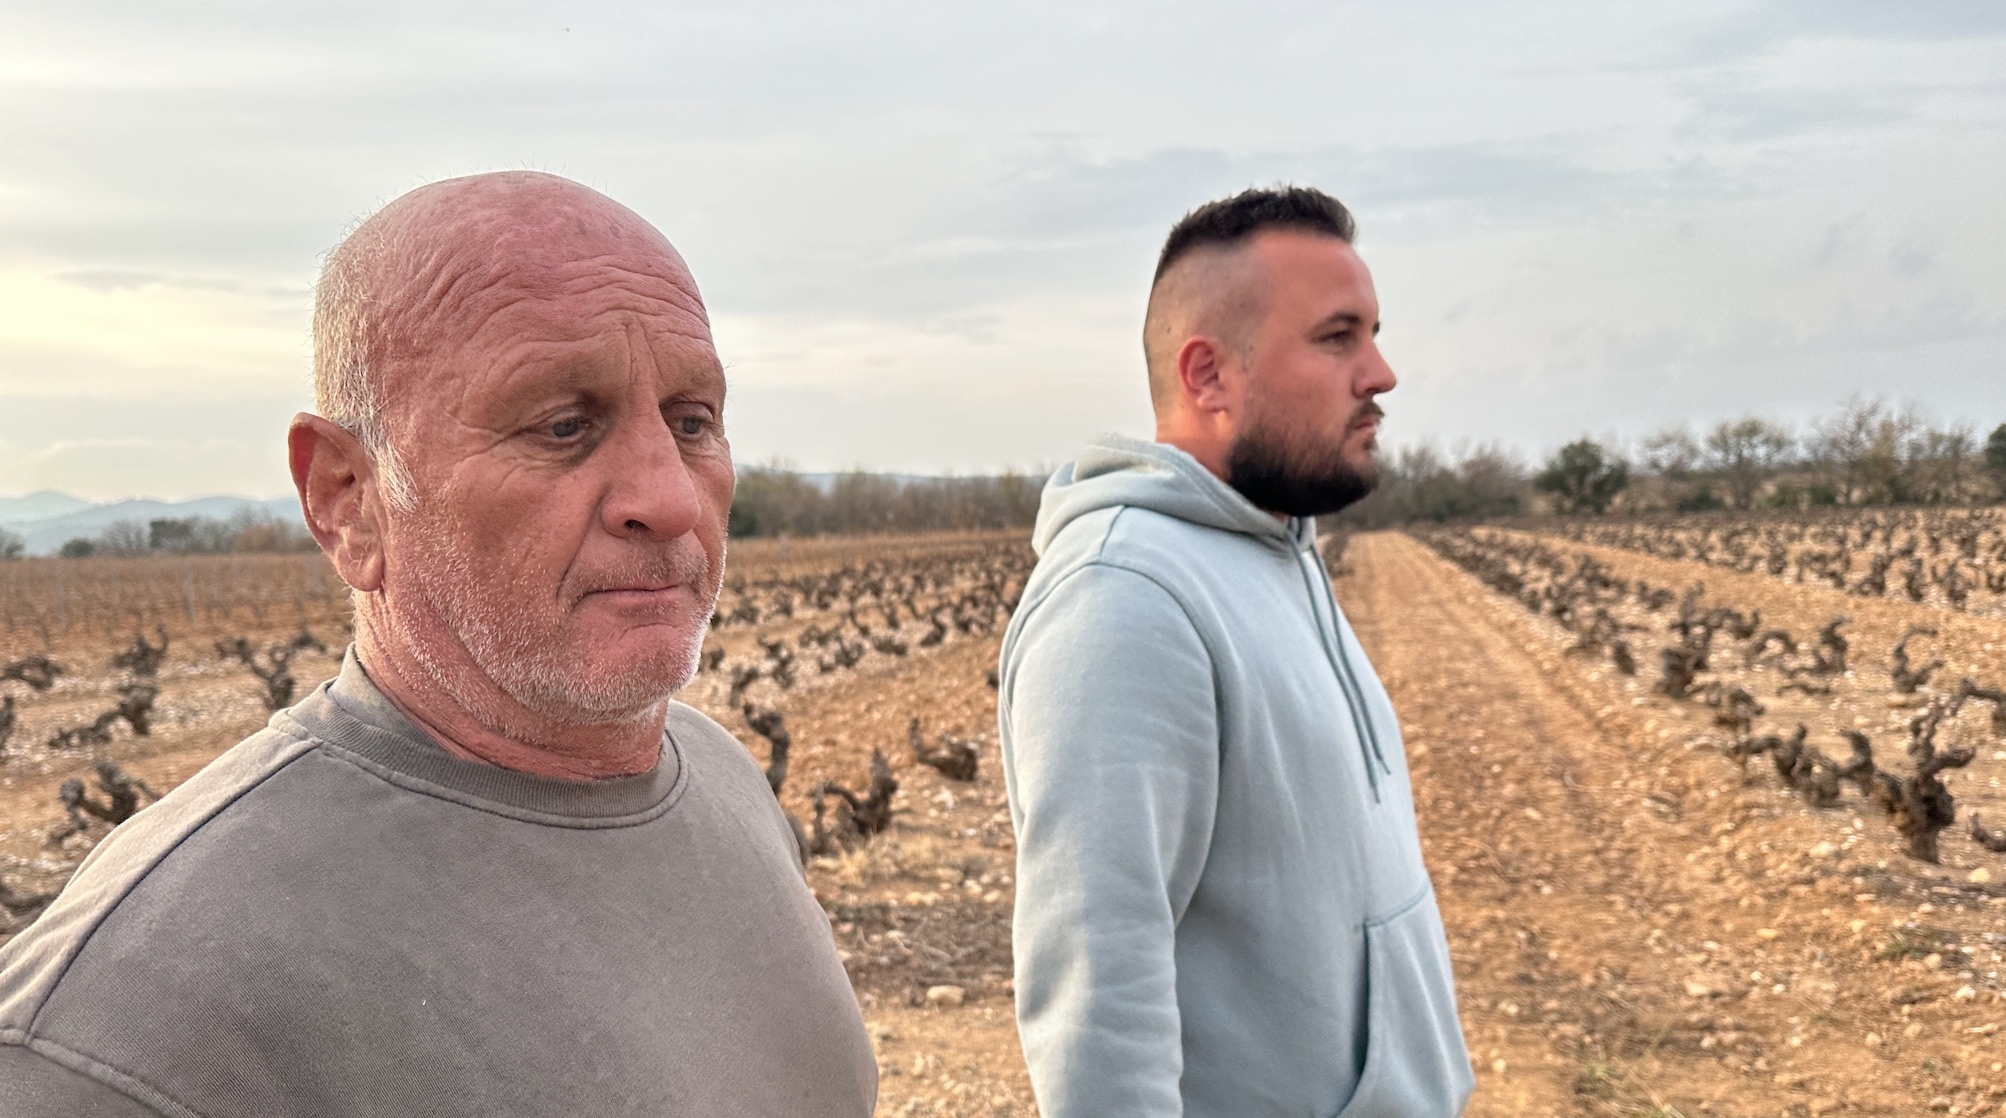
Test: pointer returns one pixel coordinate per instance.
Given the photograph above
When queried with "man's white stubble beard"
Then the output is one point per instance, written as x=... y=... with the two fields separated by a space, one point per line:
x=542 y=674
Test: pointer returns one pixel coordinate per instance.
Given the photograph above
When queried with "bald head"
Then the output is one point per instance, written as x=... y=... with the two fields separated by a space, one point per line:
x=420 y=276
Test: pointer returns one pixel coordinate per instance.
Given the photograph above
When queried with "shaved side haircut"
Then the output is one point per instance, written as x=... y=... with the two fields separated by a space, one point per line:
x=1229 y=222
x=1197 y=288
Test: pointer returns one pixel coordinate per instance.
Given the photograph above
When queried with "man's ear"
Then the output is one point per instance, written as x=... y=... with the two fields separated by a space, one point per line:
x=1202 y=374
x=338 y=495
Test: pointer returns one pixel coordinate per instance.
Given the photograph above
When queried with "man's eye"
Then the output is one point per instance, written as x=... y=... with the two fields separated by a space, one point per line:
x=691 y=426
x=566 y=428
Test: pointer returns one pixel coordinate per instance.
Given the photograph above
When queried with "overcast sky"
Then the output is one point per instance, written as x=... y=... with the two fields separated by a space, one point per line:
x=925 y=230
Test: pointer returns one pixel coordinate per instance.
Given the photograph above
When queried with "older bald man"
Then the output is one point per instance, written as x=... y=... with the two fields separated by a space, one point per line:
x=492 y=869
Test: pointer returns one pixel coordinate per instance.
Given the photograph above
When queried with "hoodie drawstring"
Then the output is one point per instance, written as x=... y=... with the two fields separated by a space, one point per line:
x=1354 y=694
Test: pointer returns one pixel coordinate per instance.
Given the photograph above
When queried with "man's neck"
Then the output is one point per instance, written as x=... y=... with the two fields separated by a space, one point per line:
x=1209 y=451
x=504 y=733
x=1210 y=454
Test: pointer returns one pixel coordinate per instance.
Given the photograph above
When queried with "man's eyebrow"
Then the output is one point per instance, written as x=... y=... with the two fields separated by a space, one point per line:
x=1345 y=318
x=566 y=376
x=706 y=377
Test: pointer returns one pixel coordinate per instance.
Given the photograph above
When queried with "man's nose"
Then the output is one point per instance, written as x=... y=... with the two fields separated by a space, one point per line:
x=1375 y=376
x=650 y=492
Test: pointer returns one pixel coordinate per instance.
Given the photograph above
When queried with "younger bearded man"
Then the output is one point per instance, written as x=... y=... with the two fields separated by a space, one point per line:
x=1221 y=906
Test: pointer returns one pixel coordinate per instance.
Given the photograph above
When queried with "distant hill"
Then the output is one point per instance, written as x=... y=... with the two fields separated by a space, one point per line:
x=39 y=506
x=46 y=520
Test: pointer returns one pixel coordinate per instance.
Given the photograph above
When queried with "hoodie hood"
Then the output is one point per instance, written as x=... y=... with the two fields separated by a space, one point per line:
x=1119 y=470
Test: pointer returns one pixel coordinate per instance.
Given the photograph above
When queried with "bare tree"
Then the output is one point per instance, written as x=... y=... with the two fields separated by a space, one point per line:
x=1672 y=453
x=1745 y=452
x=1839 y=445
x=124 y=537
x=1887 y=470
x=1995 y=456
x=1941 y=463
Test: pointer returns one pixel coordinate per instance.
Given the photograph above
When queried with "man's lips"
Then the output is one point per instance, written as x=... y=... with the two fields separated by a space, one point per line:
x=637 y=595
x=654 y=581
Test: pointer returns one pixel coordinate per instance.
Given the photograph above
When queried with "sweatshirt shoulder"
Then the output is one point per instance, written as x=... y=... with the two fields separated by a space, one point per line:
x=33 y=964
x=726 y=769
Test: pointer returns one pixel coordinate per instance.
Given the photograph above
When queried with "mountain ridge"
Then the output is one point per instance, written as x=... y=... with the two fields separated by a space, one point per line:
x=42 y=533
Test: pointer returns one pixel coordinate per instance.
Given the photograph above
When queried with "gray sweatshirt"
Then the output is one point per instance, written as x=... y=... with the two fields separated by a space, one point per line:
x=336 y=917
x=1221 y=906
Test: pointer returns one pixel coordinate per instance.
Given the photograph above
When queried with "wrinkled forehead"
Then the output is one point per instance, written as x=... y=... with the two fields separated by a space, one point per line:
x=443 y=263
x=557 y=300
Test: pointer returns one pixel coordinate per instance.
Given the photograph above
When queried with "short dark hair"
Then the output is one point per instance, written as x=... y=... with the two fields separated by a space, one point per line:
x=1229 y=221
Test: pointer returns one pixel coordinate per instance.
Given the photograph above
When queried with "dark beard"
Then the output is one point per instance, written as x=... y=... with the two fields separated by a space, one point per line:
x=1275 y=482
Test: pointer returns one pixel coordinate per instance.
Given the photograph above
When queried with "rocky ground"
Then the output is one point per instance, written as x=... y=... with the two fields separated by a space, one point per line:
x=1638 y=931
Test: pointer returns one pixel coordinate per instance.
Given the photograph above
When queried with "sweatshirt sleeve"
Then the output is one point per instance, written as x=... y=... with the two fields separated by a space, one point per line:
x=1110 y=734
x=34 y=1086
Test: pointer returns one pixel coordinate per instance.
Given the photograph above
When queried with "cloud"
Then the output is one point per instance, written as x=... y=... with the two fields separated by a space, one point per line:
x=1842 y=238
x=1733 y=108
x=105 y=281
x=925 y=230
x=1763 y=26
x=1911 y=260
x=110 y=468
x=1064 y=189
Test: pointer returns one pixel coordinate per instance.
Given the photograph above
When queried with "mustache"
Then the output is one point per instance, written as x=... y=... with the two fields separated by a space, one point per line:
x=683 y=564
x=1366 y=414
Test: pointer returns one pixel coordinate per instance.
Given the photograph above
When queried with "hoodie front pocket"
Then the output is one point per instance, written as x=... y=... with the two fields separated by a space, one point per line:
x=1415 y=1062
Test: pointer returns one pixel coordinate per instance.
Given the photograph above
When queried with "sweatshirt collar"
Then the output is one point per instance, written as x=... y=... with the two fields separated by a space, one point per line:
x=352 y=715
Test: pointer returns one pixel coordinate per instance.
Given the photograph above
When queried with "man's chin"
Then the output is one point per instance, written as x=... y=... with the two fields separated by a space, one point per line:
x=635 y=699
x=623 y=679
x=649 y=660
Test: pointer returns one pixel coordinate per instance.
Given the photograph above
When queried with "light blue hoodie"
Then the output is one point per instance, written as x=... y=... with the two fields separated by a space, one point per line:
x=1221 y=906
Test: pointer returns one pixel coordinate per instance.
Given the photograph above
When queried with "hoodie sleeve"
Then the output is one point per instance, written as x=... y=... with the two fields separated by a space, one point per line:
x=1110 y=737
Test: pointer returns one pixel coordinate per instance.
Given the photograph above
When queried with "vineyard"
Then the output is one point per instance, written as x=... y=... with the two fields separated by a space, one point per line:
x=1712 y=805
x=1948 y=557
x=55 y=603
x=1711 y=839
x=1753 y=676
